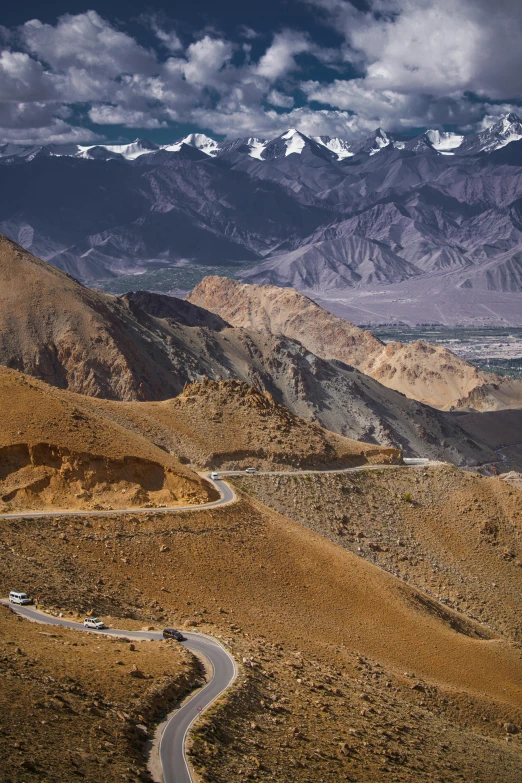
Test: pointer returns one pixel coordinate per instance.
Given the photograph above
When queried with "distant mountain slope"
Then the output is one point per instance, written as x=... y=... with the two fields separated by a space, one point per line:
x=316 y=213
x=273 y=310
x=334 y=264
x=428 y=373
x=141 y=347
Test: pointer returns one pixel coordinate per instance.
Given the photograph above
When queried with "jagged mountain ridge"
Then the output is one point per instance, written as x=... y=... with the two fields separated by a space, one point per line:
x=317 y=213
x=498 y=135
x=144 y=346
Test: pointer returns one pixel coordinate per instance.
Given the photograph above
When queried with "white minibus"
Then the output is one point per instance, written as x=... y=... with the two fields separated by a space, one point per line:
x=16 y=597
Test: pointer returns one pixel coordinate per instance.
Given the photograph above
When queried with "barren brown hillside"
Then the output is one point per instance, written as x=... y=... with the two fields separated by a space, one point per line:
x=455 y=535
x=348 y=672
x=76 y=338
x=64 y=450
x=424 y=372
x=57 y=330
x=504 y=394
x=56 y=452
x=273 y=310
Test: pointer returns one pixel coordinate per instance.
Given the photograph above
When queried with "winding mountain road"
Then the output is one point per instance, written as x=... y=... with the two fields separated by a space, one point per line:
x=226 y=491
x=172 y=743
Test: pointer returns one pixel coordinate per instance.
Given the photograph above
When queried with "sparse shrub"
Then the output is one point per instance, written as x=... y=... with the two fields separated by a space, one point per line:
x=407 y=497
x=490 y=528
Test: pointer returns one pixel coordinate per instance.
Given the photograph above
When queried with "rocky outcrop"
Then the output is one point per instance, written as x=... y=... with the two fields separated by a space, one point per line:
x=58 y=451
x=230 y=425
x=503 y=394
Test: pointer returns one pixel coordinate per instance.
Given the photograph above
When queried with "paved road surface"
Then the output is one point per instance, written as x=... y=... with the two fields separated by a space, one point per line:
x=227 y=493
x=413 y=462
x=172 y=744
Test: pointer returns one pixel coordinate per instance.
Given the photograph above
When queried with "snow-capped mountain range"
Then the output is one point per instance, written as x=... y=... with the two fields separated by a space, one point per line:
x=322 y=214
x=506 y=130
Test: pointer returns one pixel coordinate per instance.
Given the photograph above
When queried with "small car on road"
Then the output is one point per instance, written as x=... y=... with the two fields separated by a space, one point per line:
x=250 y=470
x=171 y=633
x=94 y=622
x=214 y=475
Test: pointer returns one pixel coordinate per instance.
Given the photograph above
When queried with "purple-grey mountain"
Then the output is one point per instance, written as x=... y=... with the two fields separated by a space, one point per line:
x=319 y=214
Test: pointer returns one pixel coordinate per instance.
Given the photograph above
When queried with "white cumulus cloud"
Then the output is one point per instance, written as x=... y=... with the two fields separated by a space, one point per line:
x=205 y=58
x=86 y=41
x=279 y=58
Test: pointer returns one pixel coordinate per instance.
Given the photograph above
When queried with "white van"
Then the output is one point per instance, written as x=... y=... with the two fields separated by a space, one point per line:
x=15 y=597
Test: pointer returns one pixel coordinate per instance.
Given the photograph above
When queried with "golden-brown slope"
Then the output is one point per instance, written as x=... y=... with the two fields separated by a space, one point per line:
x=55 y=329
x=424 y=372
x=76 y=338
x=304 y=608
x=456 y=535
x=273 y=310
x=64 y=450
x=147 y=347
x=56 y=451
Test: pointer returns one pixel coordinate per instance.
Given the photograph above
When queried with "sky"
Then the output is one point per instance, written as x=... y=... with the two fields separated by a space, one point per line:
x=116 y=71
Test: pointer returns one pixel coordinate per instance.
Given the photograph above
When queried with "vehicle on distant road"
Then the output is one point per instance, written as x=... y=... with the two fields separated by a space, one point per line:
x=171 y=633
x=16 y=597
x=214 y=475
x=94 y=622
x=250 y=470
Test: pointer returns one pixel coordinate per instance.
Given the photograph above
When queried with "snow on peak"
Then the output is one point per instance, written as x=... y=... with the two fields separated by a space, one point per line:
x=507 y=140
x=504 y=124
x=128 y=151
x=199 y=141
x=381 y=141
x=202 y=142
x=508 y=129
x=504 y=131
x=295 y=141
x=444 y=142
x=256 y=148
x=339 y=147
